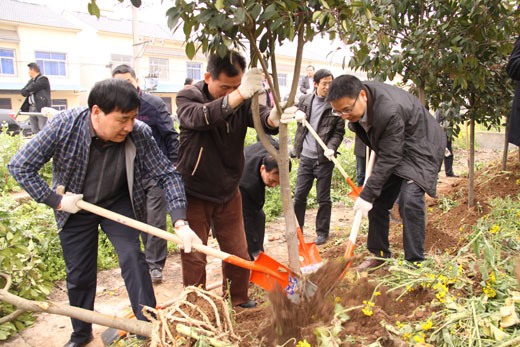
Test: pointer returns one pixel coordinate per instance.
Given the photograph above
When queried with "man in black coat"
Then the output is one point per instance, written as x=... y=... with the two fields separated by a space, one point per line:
x=513 y=70
x=409 y=146
x=260 y=170
x=38 y=95
x=153 y=112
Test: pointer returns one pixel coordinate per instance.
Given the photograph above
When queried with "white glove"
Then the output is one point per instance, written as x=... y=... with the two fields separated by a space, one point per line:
x=329 y=153
x=68 y=202
x=187 y=236
x=292 y=114
x=49 y=112
x=362 y=205
x=251 y=83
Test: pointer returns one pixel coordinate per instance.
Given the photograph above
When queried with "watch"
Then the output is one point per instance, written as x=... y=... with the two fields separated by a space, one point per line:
x=180 y=223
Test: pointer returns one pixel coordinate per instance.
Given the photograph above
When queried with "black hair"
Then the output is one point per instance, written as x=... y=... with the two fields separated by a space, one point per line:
x=122 y=69
x=344 y=85
x=34 y=66
x=308 y=66
x=321 y=73
x=114 y=94
x=229 y=64
x=188 y=81
x=270 y=163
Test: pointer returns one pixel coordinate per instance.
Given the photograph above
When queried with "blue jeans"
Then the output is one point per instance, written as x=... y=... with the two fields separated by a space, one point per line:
x=411 y=208
x=309 y=170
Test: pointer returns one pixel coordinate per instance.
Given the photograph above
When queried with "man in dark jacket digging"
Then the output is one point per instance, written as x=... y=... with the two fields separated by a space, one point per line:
x=153 y=112
x=214 y=115
x=409 y=146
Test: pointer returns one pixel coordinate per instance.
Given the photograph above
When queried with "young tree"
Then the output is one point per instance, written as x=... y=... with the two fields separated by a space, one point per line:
x=451 y=51
x=216 y=26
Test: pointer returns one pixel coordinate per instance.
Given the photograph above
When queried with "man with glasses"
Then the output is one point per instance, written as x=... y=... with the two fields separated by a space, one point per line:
x=315 y=163
x=409 y=145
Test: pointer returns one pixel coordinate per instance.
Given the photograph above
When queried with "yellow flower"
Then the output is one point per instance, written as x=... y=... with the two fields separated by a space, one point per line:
x=377 y=293
x=367 y=311
x=304 y=343
x=427 y=325
x=494 y=229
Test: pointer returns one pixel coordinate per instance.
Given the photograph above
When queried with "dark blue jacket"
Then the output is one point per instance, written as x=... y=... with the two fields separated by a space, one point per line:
x=153 y=112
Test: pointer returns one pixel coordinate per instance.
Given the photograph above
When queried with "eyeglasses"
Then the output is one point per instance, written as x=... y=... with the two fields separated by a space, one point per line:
x=347 y=110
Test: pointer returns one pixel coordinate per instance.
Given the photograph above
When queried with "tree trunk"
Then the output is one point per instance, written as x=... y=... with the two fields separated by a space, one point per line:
x=506 y=145
x=471 y=163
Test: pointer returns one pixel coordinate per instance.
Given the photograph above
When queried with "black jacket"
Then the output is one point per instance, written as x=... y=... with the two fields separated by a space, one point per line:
x=407 y=139
x=513 y=70
x=211 y=151
x=41 y=88
x=331 y=129
x=153 y=112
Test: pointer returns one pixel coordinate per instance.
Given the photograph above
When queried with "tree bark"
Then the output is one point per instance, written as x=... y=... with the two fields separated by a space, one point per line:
x=471 y=164
x=506 y=145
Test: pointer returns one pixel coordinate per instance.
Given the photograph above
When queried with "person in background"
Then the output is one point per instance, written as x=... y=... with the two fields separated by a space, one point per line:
x=264 y=97
x=100 y=154
x=513 y=70
x=448 y=153
x=315 y=163
x=38 y=95
x=260 y=171
x=188 y=82
x=153 y=112
x=409 y=147
x=307 y=82
x=214 y=116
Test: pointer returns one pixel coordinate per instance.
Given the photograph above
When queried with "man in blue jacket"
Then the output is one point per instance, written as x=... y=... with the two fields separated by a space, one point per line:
x=153 y=112
x=101 y=154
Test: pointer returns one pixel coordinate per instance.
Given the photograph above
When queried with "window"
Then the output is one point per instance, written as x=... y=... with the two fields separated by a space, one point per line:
x=6 y=61
x=118 y=59
x=5 y=103
x=282 y=79
x=51 y=63
x=159 y=67
x=194 y=70
x=59 y=104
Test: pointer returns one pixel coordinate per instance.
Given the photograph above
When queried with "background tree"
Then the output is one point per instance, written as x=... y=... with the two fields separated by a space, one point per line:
x=452 y=51
x=216 y=26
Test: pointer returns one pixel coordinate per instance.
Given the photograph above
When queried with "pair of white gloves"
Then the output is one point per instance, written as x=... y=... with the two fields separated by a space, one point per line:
x=188 y=236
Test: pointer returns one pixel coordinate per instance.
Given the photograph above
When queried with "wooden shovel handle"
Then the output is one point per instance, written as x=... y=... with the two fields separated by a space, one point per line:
x=87 y=206
x=334 y=160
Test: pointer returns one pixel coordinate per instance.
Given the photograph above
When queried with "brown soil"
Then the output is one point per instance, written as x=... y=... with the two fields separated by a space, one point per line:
x=275 y=320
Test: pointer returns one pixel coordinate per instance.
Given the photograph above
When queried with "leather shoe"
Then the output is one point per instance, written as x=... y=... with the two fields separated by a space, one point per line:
x=321 y=239
x=156 y=275
x=452 y=175
x=79 y=344
x=369 y=265
x=248 y=304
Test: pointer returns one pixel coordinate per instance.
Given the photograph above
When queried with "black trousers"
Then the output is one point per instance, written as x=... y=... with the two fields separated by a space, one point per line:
x=79 y=242
x=254 y=225
x=411 y=209
x=155 y=248
x=448 y=160
x=309 y=170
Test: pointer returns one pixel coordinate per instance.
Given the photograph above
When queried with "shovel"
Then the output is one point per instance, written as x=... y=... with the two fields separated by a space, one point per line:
x=355 y=190
x=308 y=254
x=265 y=271
x=351 y=242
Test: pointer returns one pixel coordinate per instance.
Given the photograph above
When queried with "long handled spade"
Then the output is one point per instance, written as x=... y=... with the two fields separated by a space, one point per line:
x=308 y=254
x=355 y=190
x=351 y=242
x=265 y=271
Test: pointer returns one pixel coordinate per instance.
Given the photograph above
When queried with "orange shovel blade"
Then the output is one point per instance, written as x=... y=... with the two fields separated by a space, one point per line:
x=309 y=256
x=268 y=273
x=349 y=252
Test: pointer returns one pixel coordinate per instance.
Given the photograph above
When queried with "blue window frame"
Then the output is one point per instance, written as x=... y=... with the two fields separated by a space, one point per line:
x=6 y=61
x=194 y=70
x=51 y=63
